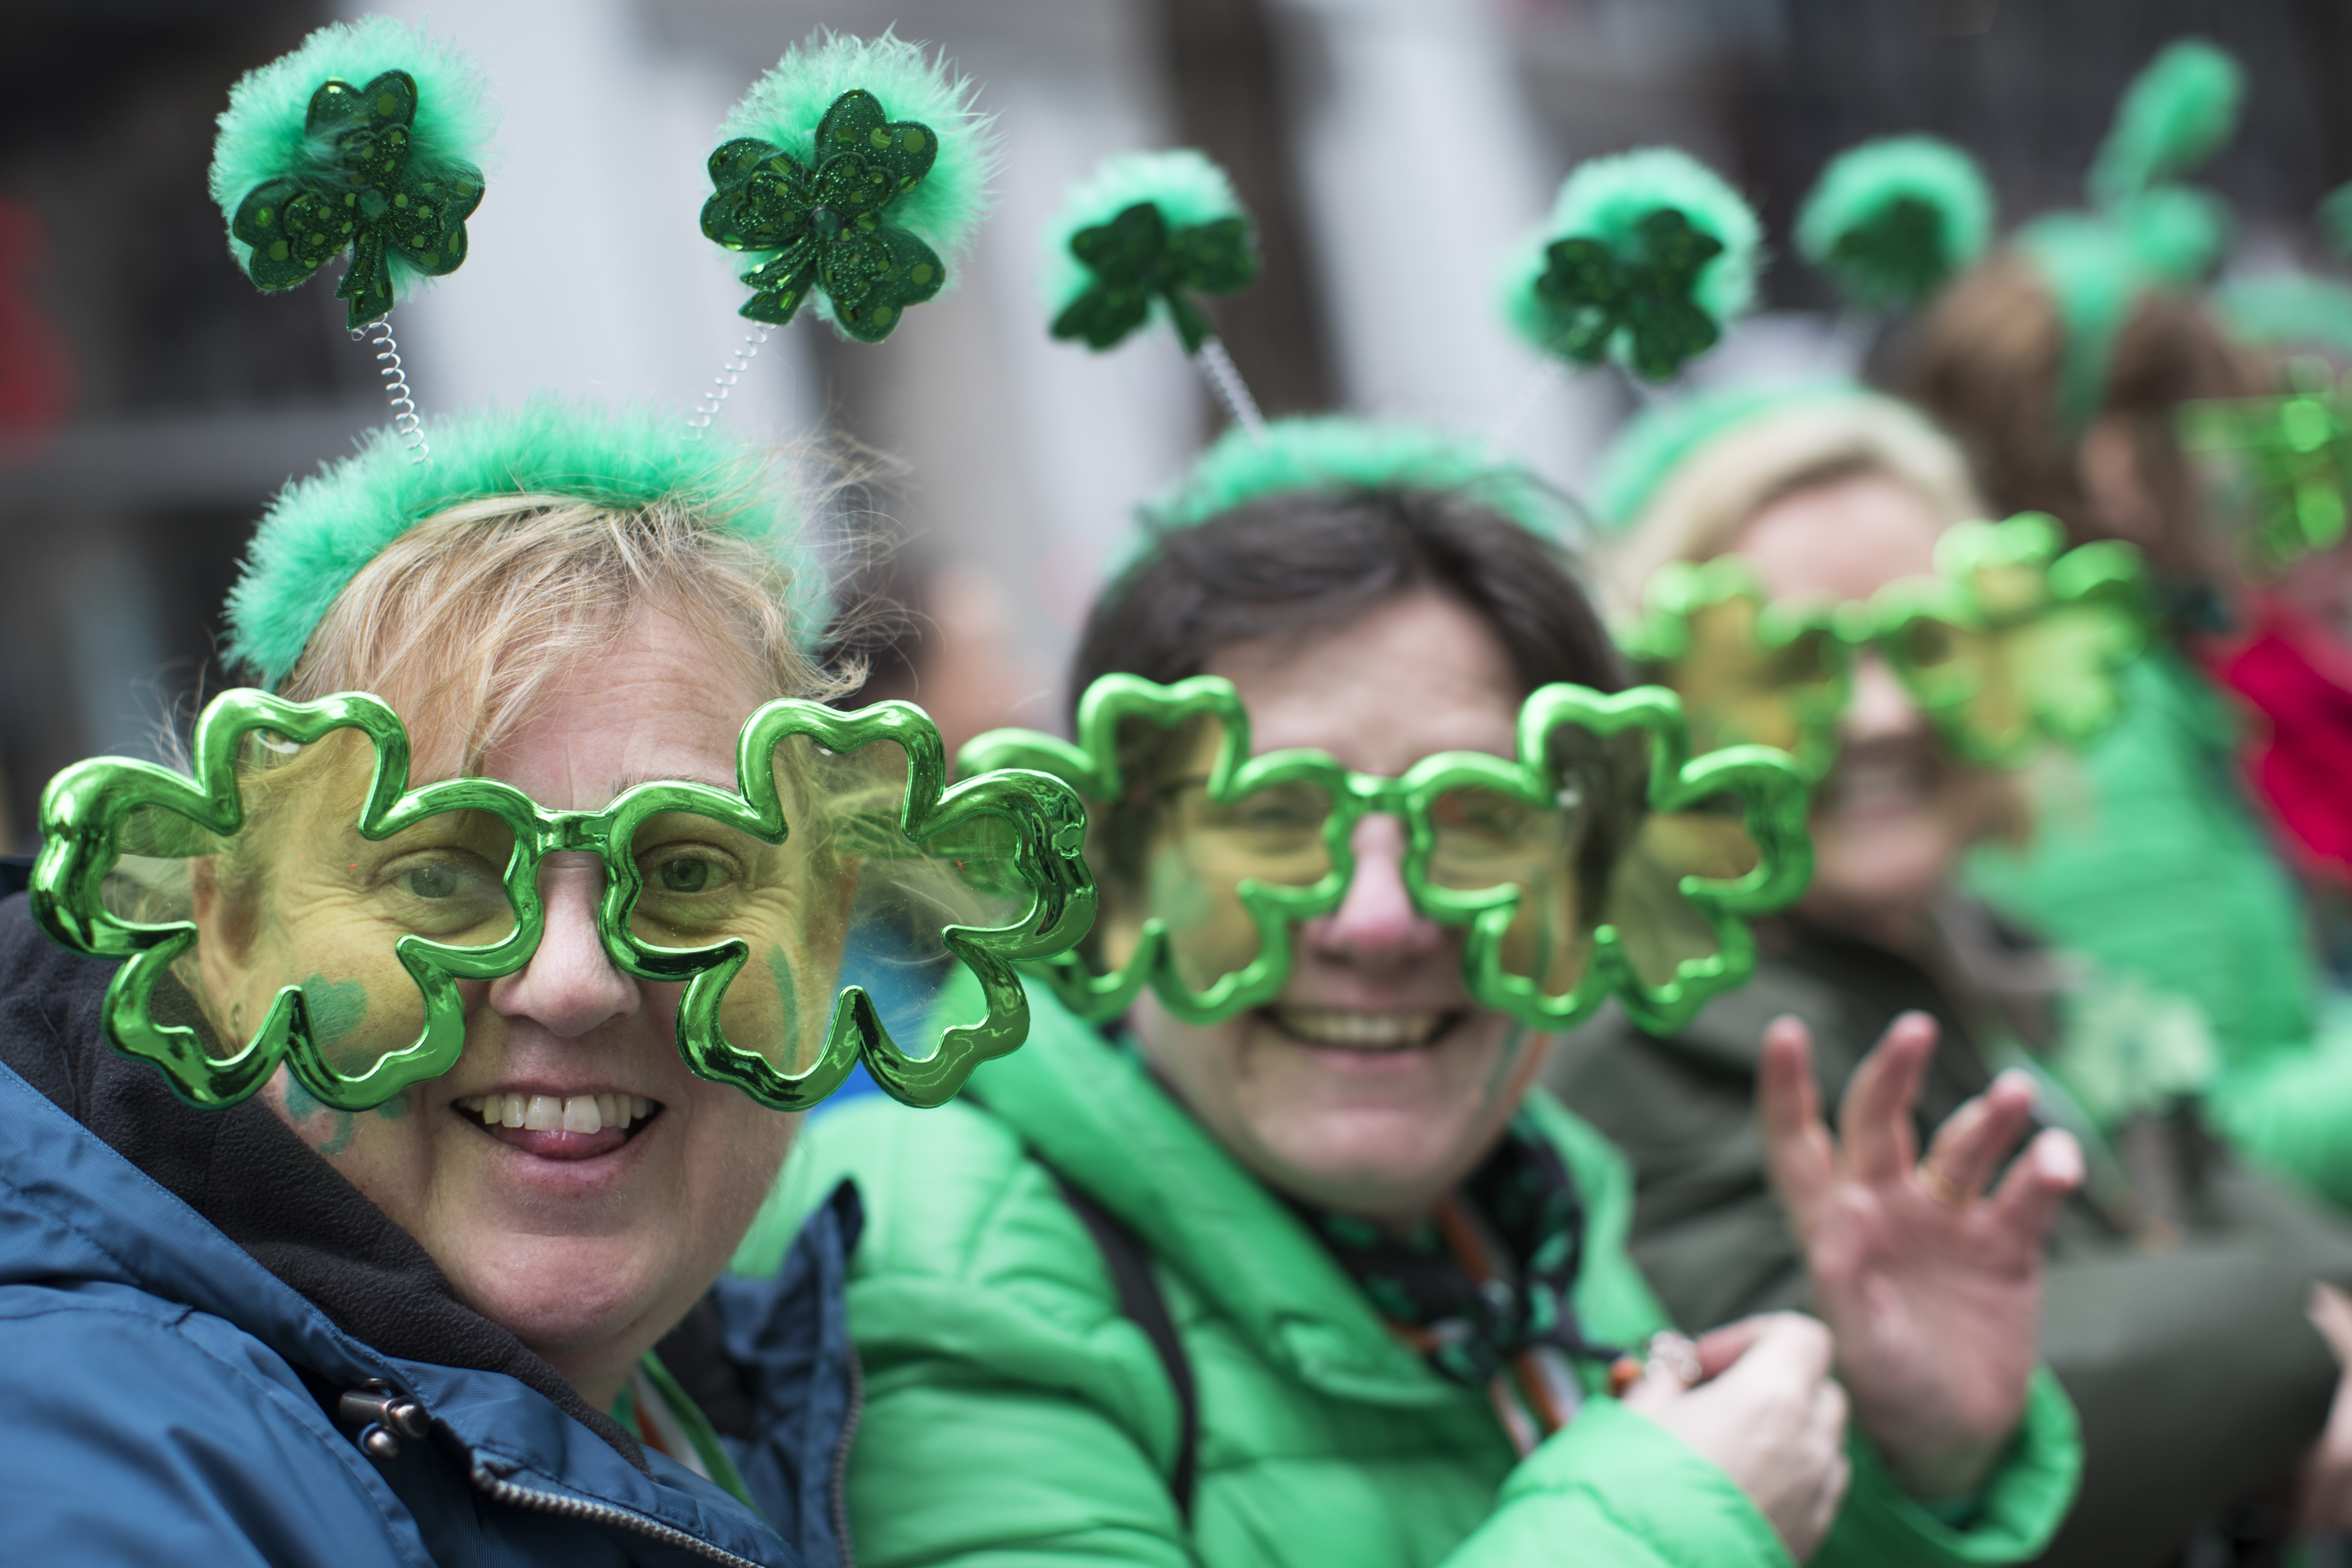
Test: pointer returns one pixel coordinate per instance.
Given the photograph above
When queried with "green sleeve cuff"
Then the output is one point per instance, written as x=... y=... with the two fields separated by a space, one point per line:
x=1626 y=1492
x=2013 y=1518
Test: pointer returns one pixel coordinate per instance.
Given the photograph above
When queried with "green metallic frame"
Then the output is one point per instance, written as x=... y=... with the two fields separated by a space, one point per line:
x=1773 y=788
x=2107 y=572
x=1774 y=796
x=84 y=808
x=2299 y=448
x=1091 y=767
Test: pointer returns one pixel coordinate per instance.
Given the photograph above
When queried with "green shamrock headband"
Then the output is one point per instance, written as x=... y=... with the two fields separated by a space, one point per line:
x=850 y=174
x=1601 y=861
x=1141 y=240
x=1340 y=451
x=363 y=139
x=744 y=896
x=319 y=532
x=2009 y=646
x=1890 y=221
x=2144 y=230
x=1647 y=259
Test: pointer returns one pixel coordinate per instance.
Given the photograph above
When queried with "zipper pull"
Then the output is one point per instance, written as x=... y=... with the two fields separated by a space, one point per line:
x=383 y=1415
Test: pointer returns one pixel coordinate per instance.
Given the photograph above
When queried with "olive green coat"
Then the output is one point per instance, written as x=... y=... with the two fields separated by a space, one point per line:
x=2177 y=1330
x=1013 y=1415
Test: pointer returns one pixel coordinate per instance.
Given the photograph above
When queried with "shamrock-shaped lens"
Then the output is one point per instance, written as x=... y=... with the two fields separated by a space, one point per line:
x=1192 y=859
x=295 y=902
x=1603 y=860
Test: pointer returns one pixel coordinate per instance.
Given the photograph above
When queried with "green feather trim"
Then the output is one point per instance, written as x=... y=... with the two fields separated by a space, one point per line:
x=319 y=532
x=1891 y=220
x=2177 y=113
x=1339 y=452
x=1607 y=201
x=785 y=106
x=261 y=131
x=1667 y=433
x=2285 y=310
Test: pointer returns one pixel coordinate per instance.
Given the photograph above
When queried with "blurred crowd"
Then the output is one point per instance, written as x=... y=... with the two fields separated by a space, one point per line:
x=1987 y=1200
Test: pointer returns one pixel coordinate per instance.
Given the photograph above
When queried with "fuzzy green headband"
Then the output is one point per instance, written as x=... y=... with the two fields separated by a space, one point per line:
x=1337 y=451
x=1668 y=435
x=364 y=138
x=1648 y=258
x=320 y=532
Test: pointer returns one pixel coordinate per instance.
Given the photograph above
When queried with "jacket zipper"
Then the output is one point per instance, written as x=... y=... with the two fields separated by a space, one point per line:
x=564 y=1506
x=841 y=1458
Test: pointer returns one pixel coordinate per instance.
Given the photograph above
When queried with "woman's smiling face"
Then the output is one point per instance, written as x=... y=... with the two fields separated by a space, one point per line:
x=588 y=1244
x=1372 y=1084
x=1897 y=809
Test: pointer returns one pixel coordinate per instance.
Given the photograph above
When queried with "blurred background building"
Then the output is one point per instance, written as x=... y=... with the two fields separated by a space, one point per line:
x=151 y=401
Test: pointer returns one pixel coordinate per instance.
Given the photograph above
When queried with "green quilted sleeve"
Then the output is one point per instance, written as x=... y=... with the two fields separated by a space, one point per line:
x=2021 y=1507
x=1627 y=1493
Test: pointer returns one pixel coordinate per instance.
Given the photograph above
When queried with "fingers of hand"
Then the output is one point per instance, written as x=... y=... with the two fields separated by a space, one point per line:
x=1875 y=1121
x=1970 y=1144
x=2330 y=1311
x=1796 y=1143
x=1789 y=1348
x=2030 y=1195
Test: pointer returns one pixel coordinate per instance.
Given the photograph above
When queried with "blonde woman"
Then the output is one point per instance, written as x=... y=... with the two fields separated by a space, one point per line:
x=2179 y=1280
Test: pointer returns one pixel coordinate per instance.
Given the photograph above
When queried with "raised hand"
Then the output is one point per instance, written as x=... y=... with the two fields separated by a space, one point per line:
x=1762 y=1409
x=1931 y=1286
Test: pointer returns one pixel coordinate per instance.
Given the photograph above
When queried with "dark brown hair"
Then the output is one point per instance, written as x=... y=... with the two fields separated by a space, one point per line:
x=1985 y=363
x=1310 y=561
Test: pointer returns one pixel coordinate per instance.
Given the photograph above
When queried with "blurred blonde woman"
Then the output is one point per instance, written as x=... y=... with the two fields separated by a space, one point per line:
x=2179 y=1280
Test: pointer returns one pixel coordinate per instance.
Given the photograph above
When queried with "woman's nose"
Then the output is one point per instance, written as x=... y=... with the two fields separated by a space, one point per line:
x=1879 y=707
x=570 y=986
x=1376 y=918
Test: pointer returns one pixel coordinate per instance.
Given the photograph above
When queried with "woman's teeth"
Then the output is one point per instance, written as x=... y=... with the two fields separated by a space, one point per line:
x=549 y=1113
x=1357 y=1031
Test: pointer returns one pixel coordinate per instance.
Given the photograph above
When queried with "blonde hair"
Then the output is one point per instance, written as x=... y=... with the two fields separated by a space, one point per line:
x=463 y=621
x=1699 y=509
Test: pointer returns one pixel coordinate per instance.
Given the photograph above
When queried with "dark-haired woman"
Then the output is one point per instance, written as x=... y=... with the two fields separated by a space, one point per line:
x=1241 y=1293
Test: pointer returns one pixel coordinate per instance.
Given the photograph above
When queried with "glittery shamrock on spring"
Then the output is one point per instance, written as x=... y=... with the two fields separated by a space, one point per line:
x=1593 y=294
x=365 y=196
x=826 y=224
x=1138 y=257
x=428 y=886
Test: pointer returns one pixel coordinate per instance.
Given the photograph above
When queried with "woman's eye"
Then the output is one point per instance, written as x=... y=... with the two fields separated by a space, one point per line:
x=429 y=882
x=684 y=874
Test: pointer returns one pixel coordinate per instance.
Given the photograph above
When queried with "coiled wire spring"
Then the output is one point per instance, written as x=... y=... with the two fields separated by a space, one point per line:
x=405 y=420
x=725 y=381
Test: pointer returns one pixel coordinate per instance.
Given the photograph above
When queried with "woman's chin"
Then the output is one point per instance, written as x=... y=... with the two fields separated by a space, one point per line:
x=560 y=1295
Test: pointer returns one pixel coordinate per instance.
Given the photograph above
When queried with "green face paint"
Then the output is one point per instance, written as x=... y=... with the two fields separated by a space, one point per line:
x=352 y=905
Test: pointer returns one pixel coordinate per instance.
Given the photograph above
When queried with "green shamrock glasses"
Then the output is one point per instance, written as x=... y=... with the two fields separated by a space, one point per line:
x=1601 y=861
x=299 y=900
x=2010 y=644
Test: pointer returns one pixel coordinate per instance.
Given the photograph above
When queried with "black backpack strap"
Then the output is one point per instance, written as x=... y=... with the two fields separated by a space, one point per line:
x=1141 y=1301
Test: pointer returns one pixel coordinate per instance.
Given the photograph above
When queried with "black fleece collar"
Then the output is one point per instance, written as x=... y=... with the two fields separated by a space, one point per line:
x=246 y=1171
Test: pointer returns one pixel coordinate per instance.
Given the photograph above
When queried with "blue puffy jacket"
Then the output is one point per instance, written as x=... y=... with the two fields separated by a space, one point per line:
x=185 y=1296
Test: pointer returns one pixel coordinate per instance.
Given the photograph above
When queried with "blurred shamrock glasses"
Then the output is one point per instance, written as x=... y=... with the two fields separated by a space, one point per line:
x=2009 y=646
x=1600 y=860
x=296 y=901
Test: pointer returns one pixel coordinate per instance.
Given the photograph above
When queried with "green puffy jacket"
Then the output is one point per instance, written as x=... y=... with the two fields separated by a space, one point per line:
x=2149 y=859
x=1013 y=1415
